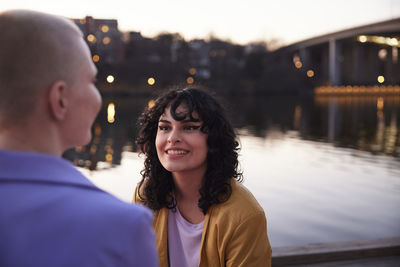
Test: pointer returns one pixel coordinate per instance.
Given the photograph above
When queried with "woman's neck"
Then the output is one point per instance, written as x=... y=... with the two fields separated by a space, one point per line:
x=187 y=186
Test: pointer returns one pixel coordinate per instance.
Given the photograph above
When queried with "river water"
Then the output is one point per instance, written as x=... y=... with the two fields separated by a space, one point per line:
x=324 y=169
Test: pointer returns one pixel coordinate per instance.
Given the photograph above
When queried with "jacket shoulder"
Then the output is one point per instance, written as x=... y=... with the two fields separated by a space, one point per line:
x=137 y=199
x=240 y=206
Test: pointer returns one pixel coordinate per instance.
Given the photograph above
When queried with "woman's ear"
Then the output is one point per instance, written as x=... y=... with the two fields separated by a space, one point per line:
x=58 y=101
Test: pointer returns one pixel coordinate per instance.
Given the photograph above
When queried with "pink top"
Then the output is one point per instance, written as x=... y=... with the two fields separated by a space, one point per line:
x=183 y=234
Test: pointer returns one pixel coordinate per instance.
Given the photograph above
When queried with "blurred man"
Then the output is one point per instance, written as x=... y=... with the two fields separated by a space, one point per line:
x=50 y=214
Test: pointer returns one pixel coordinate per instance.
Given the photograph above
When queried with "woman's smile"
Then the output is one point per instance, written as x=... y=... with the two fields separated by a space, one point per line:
x=176 y=152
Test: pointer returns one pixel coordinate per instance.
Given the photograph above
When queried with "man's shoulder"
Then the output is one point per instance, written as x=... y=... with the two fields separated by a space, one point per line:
x=103 y=203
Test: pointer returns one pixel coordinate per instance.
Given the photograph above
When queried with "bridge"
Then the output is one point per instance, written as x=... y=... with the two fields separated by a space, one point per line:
x=366 y=55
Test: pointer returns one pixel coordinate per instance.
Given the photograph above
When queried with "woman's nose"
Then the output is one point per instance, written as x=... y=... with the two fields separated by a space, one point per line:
x=174 y=137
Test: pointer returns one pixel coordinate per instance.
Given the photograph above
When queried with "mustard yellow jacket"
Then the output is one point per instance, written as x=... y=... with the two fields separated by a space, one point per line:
x=234 y=233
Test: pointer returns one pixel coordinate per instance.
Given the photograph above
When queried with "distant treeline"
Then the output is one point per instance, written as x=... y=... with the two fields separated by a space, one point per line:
x=225 y=67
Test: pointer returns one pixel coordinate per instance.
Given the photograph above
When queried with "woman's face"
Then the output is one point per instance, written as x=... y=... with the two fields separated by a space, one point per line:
x=181 y=145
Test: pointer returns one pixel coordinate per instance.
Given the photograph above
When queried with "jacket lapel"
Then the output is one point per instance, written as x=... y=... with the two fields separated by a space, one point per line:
x=203 y=256
x=161 y=223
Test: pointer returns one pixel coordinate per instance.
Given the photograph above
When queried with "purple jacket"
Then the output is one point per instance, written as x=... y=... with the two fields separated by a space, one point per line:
x=51 y=215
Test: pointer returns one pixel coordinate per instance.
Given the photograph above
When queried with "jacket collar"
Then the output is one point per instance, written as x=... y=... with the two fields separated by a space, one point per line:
x=36 y=167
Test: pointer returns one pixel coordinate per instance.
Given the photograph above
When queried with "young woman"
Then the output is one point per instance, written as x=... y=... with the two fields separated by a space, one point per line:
x=203 y=215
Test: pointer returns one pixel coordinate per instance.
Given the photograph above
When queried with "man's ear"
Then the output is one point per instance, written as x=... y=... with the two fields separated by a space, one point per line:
x=58 y=101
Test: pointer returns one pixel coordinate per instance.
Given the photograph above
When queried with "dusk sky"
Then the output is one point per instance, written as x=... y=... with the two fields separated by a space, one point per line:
x=239 y=21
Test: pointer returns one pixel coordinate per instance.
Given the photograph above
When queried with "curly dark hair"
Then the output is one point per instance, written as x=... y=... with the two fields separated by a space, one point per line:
x=222 y=156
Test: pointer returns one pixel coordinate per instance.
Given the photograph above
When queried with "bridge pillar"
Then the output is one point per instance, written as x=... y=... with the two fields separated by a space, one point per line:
x=358 y=64
x=389 y=74
x=395 y=65
x=304 y=54
x=334 y=62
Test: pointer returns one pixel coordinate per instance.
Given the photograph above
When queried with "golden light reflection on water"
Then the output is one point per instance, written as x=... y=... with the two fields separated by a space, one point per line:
x=109 y=158
x=190 y=80
x=111 y=112
x=109 y=150
x=297 y=117
x=392 y=132
x=97 y=129
x=386 y=136
x=349 y=100
x=192 y=71
x=93 y=149
x=380 y=103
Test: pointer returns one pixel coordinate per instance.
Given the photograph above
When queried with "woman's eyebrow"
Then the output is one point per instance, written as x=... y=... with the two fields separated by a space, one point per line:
x=165 y=121
x=191 y=120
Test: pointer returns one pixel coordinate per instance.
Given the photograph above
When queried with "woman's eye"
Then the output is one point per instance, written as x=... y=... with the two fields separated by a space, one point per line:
x=191 y=127
x=163 y=128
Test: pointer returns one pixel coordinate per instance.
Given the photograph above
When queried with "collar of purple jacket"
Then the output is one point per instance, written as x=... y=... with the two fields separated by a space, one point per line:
x=40 y=168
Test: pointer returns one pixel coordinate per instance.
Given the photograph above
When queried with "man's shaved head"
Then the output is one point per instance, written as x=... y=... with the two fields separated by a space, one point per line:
x=36 y=50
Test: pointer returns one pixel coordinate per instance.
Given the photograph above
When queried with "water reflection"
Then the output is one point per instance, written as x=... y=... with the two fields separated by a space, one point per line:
x=366 y=123
x=312 y=192
x=315 y=192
